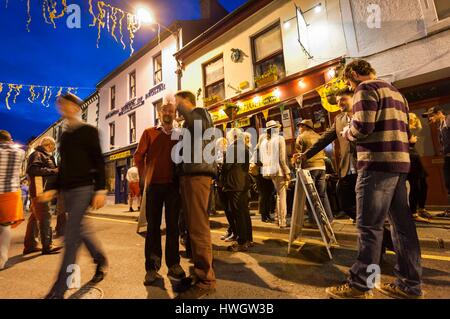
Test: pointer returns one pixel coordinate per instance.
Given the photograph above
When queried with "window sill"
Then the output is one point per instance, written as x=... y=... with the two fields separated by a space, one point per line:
x=437 y=26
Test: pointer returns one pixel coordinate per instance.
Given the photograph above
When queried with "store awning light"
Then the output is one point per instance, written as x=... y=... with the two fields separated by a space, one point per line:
x=331 y=73
x=301 y=84
x=277 y=93
x=256 y=99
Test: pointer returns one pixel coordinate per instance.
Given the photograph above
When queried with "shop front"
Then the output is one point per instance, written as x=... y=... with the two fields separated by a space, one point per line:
x=117 y=164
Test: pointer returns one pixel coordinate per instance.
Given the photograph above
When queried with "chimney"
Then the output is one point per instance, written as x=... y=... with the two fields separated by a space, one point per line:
x=205 y=8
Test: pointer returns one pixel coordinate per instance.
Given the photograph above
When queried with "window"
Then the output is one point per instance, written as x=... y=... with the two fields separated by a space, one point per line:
x=110 y=172
x=214 y=79
x=112 y=134
x=84 y=115
x=157 y=69
x=268 y=56
x=442 y=9
x=132 y=92
x=112 y=94
x=132 y=125
x=156 y=107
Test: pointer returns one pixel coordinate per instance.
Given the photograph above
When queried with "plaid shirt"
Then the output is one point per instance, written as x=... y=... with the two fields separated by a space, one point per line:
x=11 y=159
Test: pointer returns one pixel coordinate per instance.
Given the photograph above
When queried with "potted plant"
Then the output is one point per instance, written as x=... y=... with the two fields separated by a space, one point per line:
x=269 y=76
x=210 y=100
x=231 y=109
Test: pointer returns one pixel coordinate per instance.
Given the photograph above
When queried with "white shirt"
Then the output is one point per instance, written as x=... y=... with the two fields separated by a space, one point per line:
x=133 y=175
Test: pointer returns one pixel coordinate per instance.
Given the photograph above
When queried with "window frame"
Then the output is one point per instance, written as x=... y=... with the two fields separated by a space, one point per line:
x=253 y=38
x=131 y=75
x=130 y=130
x=112 y=99
x=155 y=82
x=112 y=135
x=431 y=16
x=155 y=111
x=204 y=65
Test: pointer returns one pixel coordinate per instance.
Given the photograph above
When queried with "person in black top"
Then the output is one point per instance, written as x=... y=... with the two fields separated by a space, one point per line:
x=81 y=179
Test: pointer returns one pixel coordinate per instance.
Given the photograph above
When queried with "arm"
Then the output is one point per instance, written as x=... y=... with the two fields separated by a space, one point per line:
x=36 y=168
x=328 y=137
x=140 y=154
x=364 y=113
x=283 y=162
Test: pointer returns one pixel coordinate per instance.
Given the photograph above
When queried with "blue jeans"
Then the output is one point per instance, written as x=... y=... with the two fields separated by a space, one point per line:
x=320 y=182
x=381 y=195
x=76 y=203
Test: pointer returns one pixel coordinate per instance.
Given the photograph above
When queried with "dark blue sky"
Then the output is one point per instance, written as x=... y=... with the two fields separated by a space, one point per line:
x=65 y=57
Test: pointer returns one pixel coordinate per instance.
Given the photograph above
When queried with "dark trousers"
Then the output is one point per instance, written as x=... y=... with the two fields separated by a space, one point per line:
x=447 y=175
x=321 y=185
x=379 y=196
x=41 y=219
x=346 y=195
x=228 y=213
x=184 y=234
x=195 y=193
x=238 y=205
x=76 y=202
x=266 y=201
x=159 y=195
x=417 y=193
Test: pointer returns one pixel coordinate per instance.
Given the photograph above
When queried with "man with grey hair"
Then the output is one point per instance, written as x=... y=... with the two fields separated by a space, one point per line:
x=42 y=172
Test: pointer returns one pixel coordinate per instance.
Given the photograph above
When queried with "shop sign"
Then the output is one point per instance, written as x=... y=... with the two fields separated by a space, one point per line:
x=131 y=105
x=111 y=114
x=243 y=122
x=155 y=90
x=249 y=105
x=120 y=155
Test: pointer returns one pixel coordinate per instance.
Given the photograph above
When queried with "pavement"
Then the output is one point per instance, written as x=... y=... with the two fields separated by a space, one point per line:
x=434 y=235
x=266 y=271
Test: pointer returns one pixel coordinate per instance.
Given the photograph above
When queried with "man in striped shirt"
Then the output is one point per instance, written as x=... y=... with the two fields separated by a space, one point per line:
x=380 y=129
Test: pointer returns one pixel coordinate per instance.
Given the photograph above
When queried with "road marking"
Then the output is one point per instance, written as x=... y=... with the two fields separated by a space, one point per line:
x=297 y=242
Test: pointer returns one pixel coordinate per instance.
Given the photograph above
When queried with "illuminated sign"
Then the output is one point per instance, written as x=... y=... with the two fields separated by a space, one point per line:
x=120 y=155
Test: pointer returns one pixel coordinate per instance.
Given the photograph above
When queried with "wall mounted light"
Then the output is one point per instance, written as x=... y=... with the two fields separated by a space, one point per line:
x=301 y=84
x=277 y=93
x=256 y=99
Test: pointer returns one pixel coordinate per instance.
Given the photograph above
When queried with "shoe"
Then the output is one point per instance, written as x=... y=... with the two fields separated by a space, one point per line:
x=100 y=272
x=185 y=283
x=445 y=214
x=52 y=250
x=420 y=219
x=424 y=213
x=346 y=292
x=196 y=292
x=27 y=251
x=225 y=236
x=393 y=291
x=151 y=276
x=230 y=238
x=236 y=247
x=131 y=210
x=176 y=272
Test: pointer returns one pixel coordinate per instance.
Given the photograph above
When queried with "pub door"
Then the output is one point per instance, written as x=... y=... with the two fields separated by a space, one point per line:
x=121 y=185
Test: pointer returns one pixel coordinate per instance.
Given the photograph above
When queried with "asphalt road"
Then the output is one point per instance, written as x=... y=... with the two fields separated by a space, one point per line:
x=265 y=272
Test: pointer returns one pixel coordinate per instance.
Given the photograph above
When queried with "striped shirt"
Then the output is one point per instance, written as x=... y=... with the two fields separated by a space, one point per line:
x=380 y=127
x=11 y=159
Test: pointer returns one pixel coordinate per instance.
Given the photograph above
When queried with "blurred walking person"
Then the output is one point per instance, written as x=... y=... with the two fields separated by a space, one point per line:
x=11 y=208
x=42 y=172
x=81 y=180
x=133 y=185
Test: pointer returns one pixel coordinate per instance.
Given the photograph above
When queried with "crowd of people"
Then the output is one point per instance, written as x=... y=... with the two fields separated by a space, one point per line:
x=377 y=158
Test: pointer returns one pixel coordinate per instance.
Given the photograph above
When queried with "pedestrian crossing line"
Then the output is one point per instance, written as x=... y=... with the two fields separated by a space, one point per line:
x=297 y=242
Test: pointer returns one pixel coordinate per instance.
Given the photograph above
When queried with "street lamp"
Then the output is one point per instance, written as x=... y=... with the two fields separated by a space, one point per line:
x=144 y=16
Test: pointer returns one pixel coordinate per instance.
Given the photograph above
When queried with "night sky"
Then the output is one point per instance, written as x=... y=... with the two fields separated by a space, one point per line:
x=66 y=57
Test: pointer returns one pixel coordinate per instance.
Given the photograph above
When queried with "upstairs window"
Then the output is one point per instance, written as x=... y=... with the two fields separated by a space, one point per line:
x=112 y=134
x=157 y=69
x=132 y=126
x=214 y=80
x=132 y=80
x=113 y=97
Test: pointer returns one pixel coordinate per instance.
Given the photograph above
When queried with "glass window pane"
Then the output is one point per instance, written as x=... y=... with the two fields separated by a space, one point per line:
x=214 y=71
x=278 y=61
x=442 y=9
x=216 y=90
x=268 y=43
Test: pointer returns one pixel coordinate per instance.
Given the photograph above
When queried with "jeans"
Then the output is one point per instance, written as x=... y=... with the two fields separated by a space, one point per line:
x=320 y=182
x=40 y=220
x=238 y=205
x=76 y=202
x=383 y=195
x=281 y=209
x=347 y=196
x=159 y=195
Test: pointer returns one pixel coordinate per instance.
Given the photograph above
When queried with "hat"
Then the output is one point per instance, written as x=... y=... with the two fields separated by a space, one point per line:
x=273 y=124
x=432 y=110
x=308 y=123
x=72 y=98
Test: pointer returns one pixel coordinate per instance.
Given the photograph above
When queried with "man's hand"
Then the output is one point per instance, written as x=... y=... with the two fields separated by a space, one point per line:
x=47 y=196
x=98 y=201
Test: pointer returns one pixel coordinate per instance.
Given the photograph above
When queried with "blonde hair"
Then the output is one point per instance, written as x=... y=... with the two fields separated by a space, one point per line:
x=46 y=140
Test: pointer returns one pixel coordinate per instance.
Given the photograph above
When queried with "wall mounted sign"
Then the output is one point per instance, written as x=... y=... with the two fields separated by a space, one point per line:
x=243 y=122
x=131 y=105
x=111 y=114
x=155 y=90
x=120 y=155
x=249 y=105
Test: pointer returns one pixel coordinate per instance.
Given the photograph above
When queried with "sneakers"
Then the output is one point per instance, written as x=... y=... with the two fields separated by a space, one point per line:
x=236 y=247
x=346 y=292
x=226 y=235
x=230 y=238
x=424 y=213
x=196 y=292
x=150 y=277
x=176 y=273
x=100 y=272
x=393 y=291
x=420 y=219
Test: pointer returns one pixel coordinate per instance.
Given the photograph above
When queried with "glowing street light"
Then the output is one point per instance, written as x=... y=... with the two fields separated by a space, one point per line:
x=318 y=8
x=144 y=15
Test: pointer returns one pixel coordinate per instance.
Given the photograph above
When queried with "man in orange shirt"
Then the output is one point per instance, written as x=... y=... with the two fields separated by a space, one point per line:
x=156 y=168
